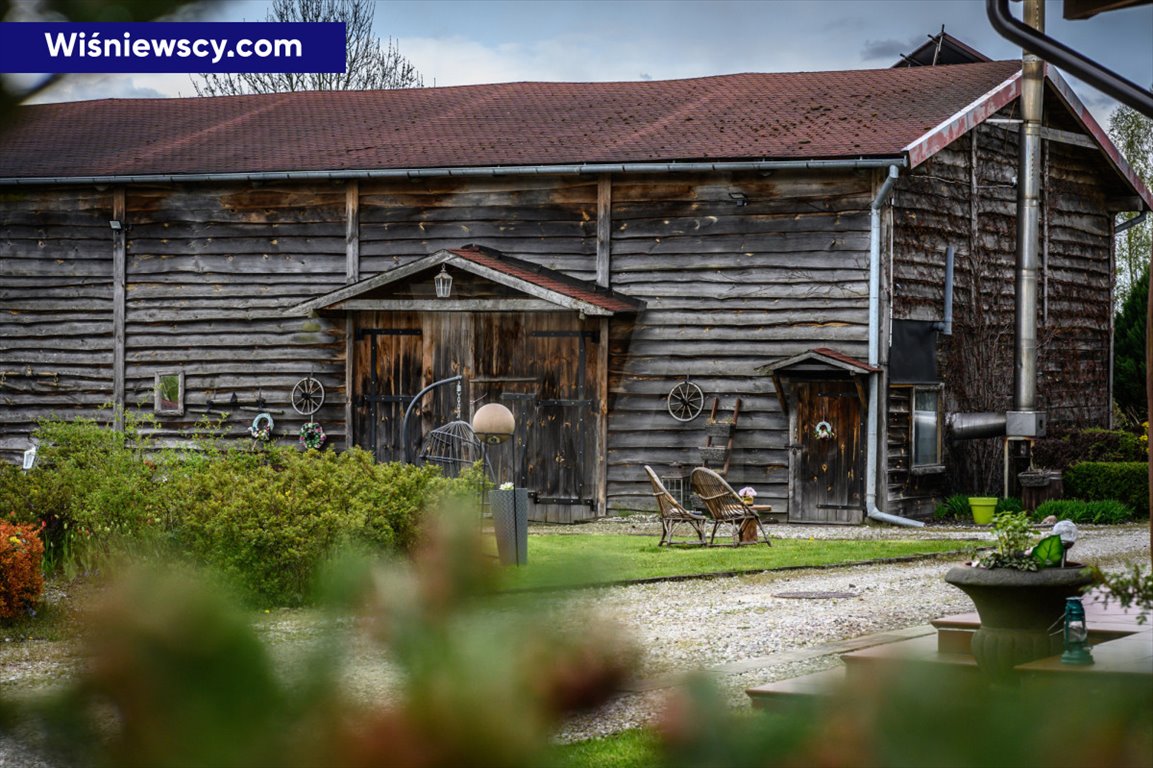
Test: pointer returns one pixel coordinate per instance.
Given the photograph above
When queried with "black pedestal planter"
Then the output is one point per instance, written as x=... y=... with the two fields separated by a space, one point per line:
x=1021 y=612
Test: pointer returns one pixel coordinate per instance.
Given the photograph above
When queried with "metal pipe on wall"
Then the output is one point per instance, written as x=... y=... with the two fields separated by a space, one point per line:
x=1028 y=219
x=871 y=510
x=971 y=426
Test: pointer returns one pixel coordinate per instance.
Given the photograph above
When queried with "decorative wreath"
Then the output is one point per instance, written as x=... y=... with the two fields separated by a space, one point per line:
x=261 y=429
x=312 y=436
x=824 y=431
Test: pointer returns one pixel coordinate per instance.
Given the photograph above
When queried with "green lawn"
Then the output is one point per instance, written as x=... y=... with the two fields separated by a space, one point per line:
x=582 y=559
x=628 y=749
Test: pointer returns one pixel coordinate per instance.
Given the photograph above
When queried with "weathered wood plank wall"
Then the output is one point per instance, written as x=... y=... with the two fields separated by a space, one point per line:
x=966 y=197
x=729 y=287
x=210 y=269
x=55 y=308
x=550 y=220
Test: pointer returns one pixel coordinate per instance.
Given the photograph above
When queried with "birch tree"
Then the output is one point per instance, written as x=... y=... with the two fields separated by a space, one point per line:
x=1132 y=132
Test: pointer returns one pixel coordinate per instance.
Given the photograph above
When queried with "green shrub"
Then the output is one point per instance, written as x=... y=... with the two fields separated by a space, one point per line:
x=268 y=519
x=1082 y=512
x=1127 y=482
x=955 y=507
x=1008 y=504
x=93 y=489
x=271 y=524
x=1064 y=448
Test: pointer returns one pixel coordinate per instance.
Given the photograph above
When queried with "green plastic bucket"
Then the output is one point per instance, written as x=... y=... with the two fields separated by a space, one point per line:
x=982 y=507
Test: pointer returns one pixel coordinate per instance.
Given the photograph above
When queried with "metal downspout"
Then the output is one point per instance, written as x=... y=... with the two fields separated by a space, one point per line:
x=875 y=356
x=1130 y=223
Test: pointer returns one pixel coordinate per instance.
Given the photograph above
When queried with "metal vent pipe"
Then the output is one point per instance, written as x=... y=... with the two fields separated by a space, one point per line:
x=1028 y=218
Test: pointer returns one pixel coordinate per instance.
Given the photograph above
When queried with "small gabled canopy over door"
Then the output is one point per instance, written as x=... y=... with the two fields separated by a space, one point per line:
x=825 y=394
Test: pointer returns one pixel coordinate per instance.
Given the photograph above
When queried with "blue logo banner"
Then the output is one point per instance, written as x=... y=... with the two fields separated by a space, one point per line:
x=217 y=47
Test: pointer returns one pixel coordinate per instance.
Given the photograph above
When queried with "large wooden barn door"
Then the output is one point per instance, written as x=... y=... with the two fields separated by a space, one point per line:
x=828 y=483
x=561 y=426
x=388 y=374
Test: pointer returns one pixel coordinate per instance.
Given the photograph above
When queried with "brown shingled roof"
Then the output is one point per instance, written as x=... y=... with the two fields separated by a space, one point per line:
x=805 y=115
x=549 y=279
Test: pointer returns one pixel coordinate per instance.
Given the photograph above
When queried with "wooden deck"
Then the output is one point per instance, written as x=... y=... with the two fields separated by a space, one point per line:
x=1122 y=653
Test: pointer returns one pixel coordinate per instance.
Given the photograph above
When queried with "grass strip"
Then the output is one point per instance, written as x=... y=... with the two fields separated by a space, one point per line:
x=576 y=560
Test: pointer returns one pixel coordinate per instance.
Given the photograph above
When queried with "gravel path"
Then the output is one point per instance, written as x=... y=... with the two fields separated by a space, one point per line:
x=745 y=635
x=738 y=628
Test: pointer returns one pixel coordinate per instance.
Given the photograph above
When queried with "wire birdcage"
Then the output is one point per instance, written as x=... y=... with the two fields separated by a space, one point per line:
x=453 y=447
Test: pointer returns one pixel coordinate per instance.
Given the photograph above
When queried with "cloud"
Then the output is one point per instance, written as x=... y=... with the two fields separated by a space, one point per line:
x=889 y=49
x=86 y=87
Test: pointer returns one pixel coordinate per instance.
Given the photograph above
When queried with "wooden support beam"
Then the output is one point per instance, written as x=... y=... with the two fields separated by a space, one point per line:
x=119 y=297
x=352 y=232
x=604 y=230
x=1069 y=137
x=601 y=470
x=351 y=275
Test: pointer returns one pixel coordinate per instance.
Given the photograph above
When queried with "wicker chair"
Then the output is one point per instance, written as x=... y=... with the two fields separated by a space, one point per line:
x=724 y=505
x=672 y=512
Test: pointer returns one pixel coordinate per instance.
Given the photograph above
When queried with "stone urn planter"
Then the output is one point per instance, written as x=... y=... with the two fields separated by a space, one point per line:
x=1021 y=612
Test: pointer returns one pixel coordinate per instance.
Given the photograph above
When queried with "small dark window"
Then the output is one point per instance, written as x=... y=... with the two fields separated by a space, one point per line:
x=926 y=426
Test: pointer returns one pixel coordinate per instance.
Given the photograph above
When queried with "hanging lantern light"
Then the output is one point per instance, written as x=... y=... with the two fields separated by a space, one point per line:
x=1076 y=634
x=443 y=283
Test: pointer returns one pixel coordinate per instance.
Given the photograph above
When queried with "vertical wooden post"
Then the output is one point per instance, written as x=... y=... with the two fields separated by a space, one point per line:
x=604 y=279
x=352 y=232
x=119 y=279
x=351 y=275
x=603 y=418
x=604 y=230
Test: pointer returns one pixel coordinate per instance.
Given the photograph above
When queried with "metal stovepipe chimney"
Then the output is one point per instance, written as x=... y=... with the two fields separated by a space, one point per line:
x=1028 y=218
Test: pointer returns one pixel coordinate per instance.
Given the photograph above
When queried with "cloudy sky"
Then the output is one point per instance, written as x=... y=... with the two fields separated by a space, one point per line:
x=454 y=42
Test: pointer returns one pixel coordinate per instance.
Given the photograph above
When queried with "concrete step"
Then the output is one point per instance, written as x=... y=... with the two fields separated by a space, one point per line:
x=862 y=666
x=783 y=692
x=955 y=633
x=888 y=660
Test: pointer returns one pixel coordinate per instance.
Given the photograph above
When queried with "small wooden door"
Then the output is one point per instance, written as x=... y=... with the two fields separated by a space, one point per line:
x=828 y=480
x=562 y=438
x=388 y=375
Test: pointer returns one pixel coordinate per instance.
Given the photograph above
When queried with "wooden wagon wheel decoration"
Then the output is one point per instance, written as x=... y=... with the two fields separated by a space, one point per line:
x=307 y=396
x=686 y=401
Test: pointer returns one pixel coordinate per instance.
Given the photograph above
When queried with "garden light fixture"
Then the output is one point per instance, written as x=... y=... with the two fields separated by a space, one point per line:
x=443 y=283
x=493 y=423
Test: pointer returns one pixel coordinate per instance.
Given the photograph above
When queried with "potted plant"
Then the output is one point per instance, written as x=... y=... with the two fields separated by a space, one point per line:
x=1020 y=592
x=982 y=508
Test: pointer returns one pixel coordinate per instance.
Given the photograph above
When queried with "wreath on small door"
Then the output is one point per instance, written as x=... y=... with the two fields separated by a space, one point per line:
x=824 y=431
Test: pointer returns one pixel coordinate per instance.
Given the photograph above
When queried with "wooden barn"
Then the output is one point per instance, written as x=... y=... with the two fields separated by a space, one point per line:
x=639 y=270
